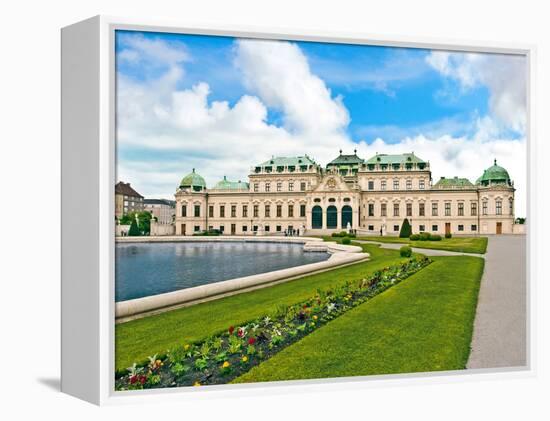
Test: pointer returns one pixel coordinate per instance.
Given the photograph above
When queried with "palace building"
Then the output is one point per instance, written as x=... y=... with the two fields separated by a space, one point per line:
x=372 y=196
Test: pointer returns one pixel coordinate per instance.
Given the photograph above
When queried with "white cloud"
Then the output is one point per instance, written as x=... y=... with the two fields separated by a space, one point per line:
x=189 y=130
x=503 y=75
x=137 y=48
x=279 y=73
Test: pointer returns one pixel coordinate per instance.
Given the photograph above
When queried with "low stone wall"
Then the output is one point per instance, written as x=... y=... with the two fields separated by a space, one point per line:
x=340 y=255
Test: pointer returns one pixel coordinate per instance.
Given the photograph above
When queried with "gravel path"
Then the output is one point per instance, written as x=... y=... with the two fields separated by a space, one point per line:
x=500 y=326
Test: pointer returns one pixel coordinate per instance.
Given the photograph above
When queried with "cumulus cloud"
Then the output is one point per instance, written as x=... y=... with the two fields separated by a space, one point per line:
x=164 y=130
x=279 y=73
x=503 y=75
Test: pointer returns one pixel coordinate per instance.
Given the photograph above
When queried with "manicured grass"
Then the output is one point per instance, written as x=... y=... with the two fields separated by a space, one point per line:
x=458 y=244
x=136 y=340
x=424 y=323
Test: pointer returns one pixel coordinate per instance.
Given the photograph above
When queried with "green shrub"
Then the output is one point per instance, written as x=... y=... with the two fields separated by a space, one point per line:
x=435 y=237
x=346 y=240
x=415 y=237
x=448 y=235
x=352 y=235
x=406 y=229
x=425 y=236
x=134 y=230
x=405 y=251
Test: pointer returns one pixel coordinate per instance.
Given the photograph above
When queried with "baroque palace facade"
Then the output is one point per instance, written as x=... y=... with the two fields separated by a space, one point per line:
x=372 y=196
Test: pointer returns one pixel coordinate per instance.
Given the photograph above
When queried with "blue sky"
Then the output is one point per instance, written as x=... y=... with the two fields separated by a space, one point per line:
x=220 y=104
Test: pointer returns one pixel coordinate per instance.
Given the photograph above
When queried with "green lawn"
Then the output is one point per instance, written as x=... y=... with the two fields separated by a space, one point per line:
x=424 y=323
x=137 y=339
x=458 y=244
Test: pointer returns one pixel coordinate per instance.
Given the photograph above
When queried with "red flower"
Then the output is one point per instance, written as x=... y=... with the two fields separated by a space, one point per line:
x=133 y=379
x=305 y=306
x=142 y=379
x=251 y=341
x=240 y=333
x=231 y=330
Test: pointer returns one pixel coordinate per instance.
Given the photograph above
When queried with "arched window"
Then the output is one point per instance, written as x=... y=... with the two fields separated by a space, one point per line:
x=332 y=217
x=511 y=204
x=317 y=217
x=347 y=216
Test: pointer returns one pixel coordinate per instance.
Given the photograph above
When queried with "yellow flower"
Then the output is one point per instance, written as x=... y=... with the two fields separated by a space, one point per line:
x=245 y=359
x=315 y=317
x=226 y=364
x=196 y=384
x=186 y=347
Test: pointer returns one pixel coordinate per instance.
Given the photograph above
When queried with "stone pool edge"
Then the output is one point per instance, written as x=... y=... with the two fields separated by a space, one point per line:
x=341 y=255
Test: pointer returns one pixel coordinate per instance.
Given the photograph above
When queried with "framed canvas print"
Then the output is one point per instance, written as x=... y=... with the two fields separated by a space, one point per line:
x=245 y=208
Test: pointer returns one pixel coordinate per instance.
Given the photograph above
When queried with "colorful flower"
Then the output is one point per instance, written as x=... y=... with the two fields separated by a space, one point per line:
x=244 y=359
x=186 y=347
x=226 y=364
x=251 y=341
x=315 y=317
x=196 y=383
x=231 y=330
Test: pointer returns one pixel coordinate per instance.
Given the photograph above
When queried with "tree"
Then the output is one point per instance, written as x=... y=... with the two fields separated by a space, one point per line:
x=134 y=230
x=406 y=230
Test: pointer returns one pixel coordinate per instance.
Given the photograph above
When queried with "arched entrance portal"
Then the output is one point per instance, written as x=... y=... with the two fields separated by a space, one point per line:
x=317 y=217
x=332 y=217
x=347 y=217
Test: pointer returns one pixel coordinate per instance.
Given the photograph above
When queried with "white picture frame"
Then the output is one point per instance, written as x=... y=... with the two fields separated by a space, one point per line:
x=88 y=178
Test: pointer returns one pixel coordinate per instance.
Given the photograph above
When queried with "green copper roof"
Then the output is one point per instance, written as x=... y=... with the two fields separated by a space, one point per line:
x=453 y=183
x=406 y=158
x=194 y=181
x=225 y=184
x=494 y=175
x=283 y=161
x=346 y=160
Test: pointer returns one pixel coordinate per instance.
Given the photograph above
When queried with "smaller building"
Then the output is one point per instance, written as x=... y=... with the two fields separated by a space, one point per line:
x=126 y=200
x=162 y=209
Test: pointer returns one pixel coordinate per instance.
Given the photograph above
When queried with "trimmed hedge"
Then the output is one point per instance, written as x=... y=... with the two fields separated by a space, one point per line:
x=346 y=240
x=406 y=229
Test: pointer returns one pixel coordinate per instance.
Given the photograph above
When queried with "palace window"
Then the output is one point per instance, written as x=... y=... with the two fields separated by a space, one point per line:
x=278 y=228
x=473 y=227
x=447 y=208
x=211 y=211
x=461 y=227
x=197 y=211
x=302 y=211
x=409 y=184
x=409 y=209
x=222 y=211
x=291 y=186
x=484 y=207
x=396 y=228
x=222 y=228
x=279 y=211
x=184 y=210
x=303 y=186
x=266 y=228
x=421 y=228
x=434 y=208
x=267 y=211
x=267 y=186
x=233 y=211
x=255 y=211
x=460 y=209
x=396 y=209
x=421 y=209
x=255 y=228
x=383 y=185
x=499 y=207
x=371 y=185
x=256 y=187
x=371 y=228
x=245 y=211
x=383 y=209
x=291 y=211
x=196 y=228
x=371 y=209
x=279 y=186
x=396 y=184
x=421 y=184
x=473 y=209
x=434 y=228
x=245 y=228
x=511 y=206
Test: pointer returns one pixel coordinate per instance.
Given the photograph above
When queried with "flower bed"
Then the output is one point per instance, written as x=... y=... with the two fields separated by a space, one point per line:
x=221 y=358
